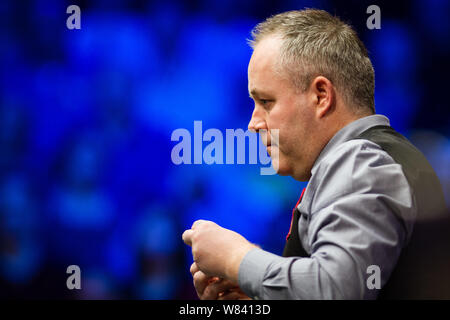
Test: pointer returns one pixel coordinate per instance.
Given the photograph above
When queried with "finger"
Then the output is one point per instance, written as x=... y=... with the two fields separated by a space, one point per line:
x=197 y=223
x=233 y=295
x=201 y=280
x=229 y=295
x=194 y=268
x=187 y=237
x=213 y=290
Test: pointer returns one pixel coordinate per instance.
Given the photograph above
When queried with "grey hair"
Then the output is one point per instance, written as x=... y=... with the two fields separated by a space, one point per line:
x=316 y=43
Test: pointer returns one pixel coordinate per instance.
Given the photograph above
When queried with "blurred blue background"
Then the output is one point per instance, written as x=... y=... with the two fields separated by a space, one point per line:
x=86 y=118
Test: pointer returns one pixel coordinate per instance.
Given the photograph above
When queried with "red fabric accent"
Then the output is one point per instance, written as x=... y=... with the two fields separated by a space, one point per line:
x=293 y=210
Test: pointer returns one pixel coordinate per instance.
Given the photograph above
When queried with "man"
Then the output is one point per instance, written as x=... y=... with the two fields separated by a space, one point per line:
x=311 y=78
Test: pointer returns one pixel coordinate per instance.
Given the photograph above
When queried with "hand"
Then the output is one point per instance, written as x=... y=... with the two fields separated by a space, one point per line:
x=216 y=251
x=214 y=288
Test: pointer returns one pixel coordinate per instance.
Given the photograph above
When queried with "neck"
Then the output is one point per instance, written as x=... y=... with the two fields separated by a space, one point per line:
x=325 y=131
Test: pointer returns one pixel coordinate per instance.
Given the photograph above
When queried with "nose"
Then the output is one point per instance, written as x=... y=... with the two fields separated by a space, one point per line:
x=257 y=122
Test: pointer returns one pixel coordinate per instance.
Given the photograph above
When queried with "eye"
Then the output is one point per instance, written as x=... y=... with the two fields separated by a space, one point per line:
x=265 y=102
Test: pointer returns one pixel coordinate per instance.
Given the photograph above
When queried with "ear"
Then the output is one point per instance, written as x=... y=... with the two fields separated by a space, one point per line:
x=324 y=94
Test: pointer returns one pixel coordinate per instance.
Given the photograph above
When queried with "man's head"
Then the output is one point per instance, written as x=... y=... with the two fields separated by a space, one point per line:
x=309 y=76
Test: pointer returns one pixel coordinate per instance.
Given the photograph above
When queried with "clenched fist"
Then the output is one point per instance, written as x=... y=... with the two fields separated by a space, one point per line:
x=217 y=251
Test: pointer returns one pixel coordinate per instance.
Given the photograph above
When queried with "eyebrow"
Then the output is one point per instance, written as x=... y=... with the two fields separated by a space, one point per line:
x=254 y=93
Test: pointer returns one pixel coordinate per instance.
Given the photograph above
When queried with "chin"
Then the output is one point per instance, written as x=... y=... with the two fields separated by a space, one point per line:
x=281 y=168
x=284 y=169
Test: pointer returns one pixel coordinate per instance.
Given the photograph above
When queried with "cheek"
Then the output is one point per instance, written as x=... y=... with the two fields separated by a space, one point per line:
x=281 y=164
x=286 y=117
x=287 y=135
x=278 y=129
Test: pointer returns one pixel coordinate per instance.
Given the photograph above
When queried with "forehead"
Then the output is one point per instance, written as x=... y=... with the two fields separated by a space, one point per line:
x=265 y=55
x=264 y=73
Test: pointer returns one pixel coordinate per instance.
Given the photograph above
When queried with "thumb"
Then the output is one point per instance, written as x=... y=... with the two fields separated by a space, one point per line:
x=187 y=237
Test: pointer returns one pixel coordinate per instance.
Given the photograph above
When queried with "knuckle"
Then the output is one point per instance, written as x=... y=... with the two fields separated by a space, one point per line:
x=198 y=277
x=195 y=254
x=209 y=293
x=195 y=235
x=193 y=268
